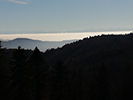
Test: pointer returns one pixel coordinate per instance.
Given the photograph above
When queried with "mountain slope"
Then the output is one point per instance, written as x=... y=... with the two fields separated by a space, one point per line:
x=93 y=49
x=98 y=68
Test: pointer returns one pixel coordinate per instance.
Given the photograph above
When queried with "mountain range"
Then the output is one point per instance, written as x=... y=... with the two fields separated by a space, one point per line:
x=31 y=44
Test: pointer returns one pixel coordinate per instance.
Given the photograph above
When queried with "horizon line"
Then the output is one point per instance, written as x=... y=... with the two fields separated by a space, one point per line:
x=59 y=36
x=64 y=32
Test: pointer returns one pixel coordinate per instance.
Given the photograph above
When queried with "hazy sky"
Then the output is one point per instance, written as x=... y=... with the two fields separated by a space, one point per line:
x=65 y=15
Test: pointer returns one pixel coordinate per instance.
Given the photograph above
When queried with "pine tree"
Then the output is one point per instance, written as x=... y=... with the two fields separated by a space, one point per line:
x=103 y=83
x=17 y=85
x=3 y=75
x=0 y=45
x=59 y=80
x=36 y=75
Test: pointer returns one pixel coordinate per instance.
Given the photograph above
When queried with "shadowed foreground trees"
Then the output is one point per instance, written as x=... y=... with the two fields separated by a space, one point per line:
x=0 y=45
x=17 y=83
x=3 y=74
x=96 y=68
x=36 y=76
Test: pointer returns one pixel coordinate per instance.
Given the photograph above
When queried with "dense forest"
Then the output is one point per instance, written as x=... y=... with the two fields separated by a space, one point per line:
x=95 y=68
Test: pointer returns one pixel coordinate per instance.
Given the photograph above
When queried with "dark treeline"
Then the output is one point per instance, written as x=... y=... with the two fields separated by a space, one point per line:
x=95 y=68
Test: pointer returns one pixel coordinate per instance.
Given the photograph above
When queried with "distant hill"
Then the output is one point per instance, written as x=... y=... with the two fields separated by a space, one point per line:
x=31 y=44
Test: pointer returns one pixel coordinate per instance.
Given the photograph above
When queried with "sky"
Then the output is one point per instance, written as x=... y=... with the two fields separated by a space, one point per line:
x=33 y=16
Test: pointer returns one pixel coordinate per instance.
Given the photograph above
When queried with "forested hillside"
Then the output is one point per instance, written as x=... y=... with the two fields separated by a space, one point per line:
x=95 y=68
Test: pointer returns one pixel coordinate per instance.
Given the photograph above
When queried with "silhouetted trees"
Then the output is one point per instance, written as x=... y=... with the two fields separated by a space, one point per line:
x=95 y=68
x=18 y=74
x=59 y=82
x=0 y=45
x=4 y=74
x=36 y=76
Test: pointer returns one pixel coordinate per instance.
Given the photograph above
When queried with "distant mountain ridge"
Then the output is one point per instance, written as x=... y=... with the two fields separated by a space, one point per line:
x=31 y=44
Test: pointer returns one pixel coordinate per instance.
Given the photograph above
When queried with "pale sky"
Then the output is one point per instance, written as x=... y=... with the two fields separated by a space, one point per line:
x=25 y=16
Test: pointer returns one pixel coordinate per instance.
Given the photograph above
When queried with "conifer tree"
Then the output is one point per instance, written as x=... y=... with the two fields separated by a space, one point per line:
x=3 y=75
x=19 y=58
x=103 y=83
x=0 y=45
x=58 y=91
x=36 y=74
